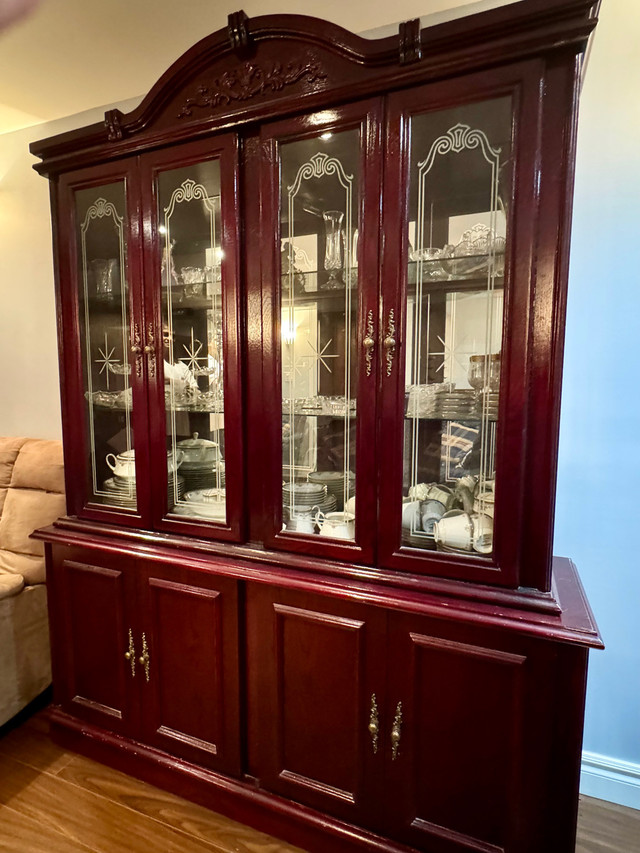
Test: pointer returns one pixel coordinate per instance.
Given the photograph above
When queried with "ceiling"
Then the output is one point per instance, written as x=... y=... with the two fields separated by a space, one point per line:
x=68 y=56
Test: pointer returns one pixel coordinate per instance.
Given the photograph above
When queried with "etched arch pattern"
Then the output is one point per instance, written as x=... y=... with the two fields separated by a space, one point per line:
x=100 y=209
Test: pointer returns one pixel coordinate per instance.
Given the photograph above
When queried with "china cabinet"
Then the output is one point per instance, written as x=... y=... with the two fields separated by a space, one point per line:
x=311 y=302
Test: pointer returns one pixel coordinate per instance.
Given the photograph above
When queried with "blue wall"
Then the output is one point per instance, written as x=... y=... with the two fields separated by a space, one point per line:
x=598 y=499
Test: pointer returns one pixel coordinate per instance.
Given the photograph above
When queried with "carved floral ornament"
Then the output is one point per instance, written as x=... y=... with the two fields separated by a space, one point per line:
x=250 y=80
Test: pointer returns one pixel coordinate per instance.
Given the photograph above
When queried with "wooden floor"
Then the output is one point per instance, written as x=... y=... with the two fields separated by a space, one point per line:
x=52 y=801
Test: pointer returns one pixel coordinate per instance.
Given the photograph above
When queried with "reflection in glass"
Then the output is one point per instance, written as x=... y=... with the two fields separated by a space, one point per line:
x=319 y=274
x=192 y=334
x=454 y=319
x=104 y=330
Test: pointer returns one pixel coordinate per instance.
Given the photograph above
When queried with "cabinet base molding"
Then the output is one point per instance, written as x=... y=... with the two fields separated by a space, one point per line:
x=306 y=828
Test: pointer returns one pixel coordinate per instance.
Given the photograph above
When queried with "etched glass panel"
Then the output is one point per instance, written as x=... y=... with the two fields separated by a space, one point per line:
x=319 y=305
x=104 y=334
x=459 y=191
x=192 y=331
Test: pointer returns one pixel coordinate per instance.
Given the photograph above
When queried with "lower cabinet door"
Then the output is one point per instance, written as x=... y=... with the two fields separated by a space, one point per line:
x=94 y=638
x=190 y=675
x=471 y=740
x=316 y=673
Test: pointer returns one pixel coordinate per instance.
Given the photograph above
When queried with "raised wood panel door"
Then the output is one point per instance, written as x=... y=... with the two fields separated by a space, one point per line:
x=314 y=669
x=190 y=687
x=457 y=778
x=93 y=624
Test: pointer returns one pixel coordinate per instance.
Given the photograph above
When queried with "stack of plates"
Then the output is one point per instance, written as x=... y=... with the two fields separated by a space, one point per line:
x=327 y=505
x=455 y=405
x=170 y=490
x=206 y=503
x=488 y=405
x=335 y=485
x=121 y=491
x=303 y=494
x=201 y=475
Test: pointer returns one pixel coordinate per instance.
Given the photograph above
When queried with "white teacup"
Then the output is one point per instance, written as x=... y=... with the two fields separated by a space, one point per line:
x=301 y=522
x=336 y=525
x=455 y=530
x=482 y=533
x=411 y=516
x=485 y=503
x=431 y=512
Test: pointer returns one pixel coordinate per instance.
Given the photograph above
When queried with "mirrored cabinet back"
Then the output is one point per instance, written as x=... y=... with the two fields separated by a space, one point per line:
x=311 y=299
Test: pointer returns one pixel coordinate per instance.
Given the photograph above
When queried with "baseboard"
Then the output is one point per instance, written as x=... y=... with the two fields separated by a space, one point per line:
x=610 y=779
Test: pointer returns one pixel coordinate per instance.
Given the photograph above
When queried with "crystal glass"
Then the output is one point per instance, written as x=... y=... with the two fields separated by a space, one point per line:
x=334 y=239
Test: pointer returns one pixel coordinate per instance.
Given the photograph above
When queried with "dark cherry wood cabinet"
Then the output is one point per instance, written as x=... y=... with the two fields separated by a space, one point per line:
x=92 y=634
x=311 y=299
x=151 y=650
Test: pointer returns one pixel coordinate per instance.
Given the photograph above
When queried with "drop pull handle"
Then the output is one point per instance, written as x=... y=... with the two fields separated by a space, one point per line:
x=144 y=658
x=130 y=654
x=396 y=732
x=368 y=343
x=389 y=343
x=373 y=726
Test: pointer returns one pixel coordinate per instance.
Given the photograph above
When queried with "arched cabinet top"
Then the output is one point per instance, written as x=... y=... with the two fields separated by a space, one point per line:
x=275 y=65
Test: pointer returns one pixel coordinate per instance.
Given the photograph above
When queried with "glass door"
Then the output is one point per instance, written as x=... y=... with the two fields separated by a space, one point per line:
x=110 y=428
x=449 y=335
x=321 y=191
x=192 y=269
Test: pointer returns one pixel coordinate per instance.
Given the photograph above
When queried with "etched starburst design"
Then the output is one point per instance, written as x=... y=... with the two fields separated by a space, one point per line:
x=319 y=356
x=449 y=356
x=106 y=359
x=193 y=351
x=293 y=367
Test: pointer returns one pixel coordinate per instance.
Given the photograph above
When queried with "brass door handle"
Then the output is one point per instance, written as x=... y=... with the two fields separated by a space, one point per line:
x=144 y=658
x=369 y=343
x=136 y=348
x=396 y=731
x=390 y=342
x=373 y=723
x=130 y=654
x=150 y=350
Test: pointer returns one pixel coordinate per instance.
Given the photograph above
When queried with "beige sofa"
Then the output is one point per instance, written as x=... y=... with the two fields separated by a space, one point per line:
x=31 y=496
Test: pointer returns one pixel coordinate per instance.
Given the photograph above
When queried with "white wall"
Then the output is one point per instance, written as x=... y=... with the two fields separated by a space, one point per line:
x=29 y=381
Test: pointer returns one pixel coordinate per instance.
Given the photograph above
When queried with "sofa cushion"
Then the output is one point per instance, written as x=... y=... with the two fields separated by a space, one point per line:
x=28 y=566
x=39 y=466
x=10 y=585
x=24 y=511
x=9 y=448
